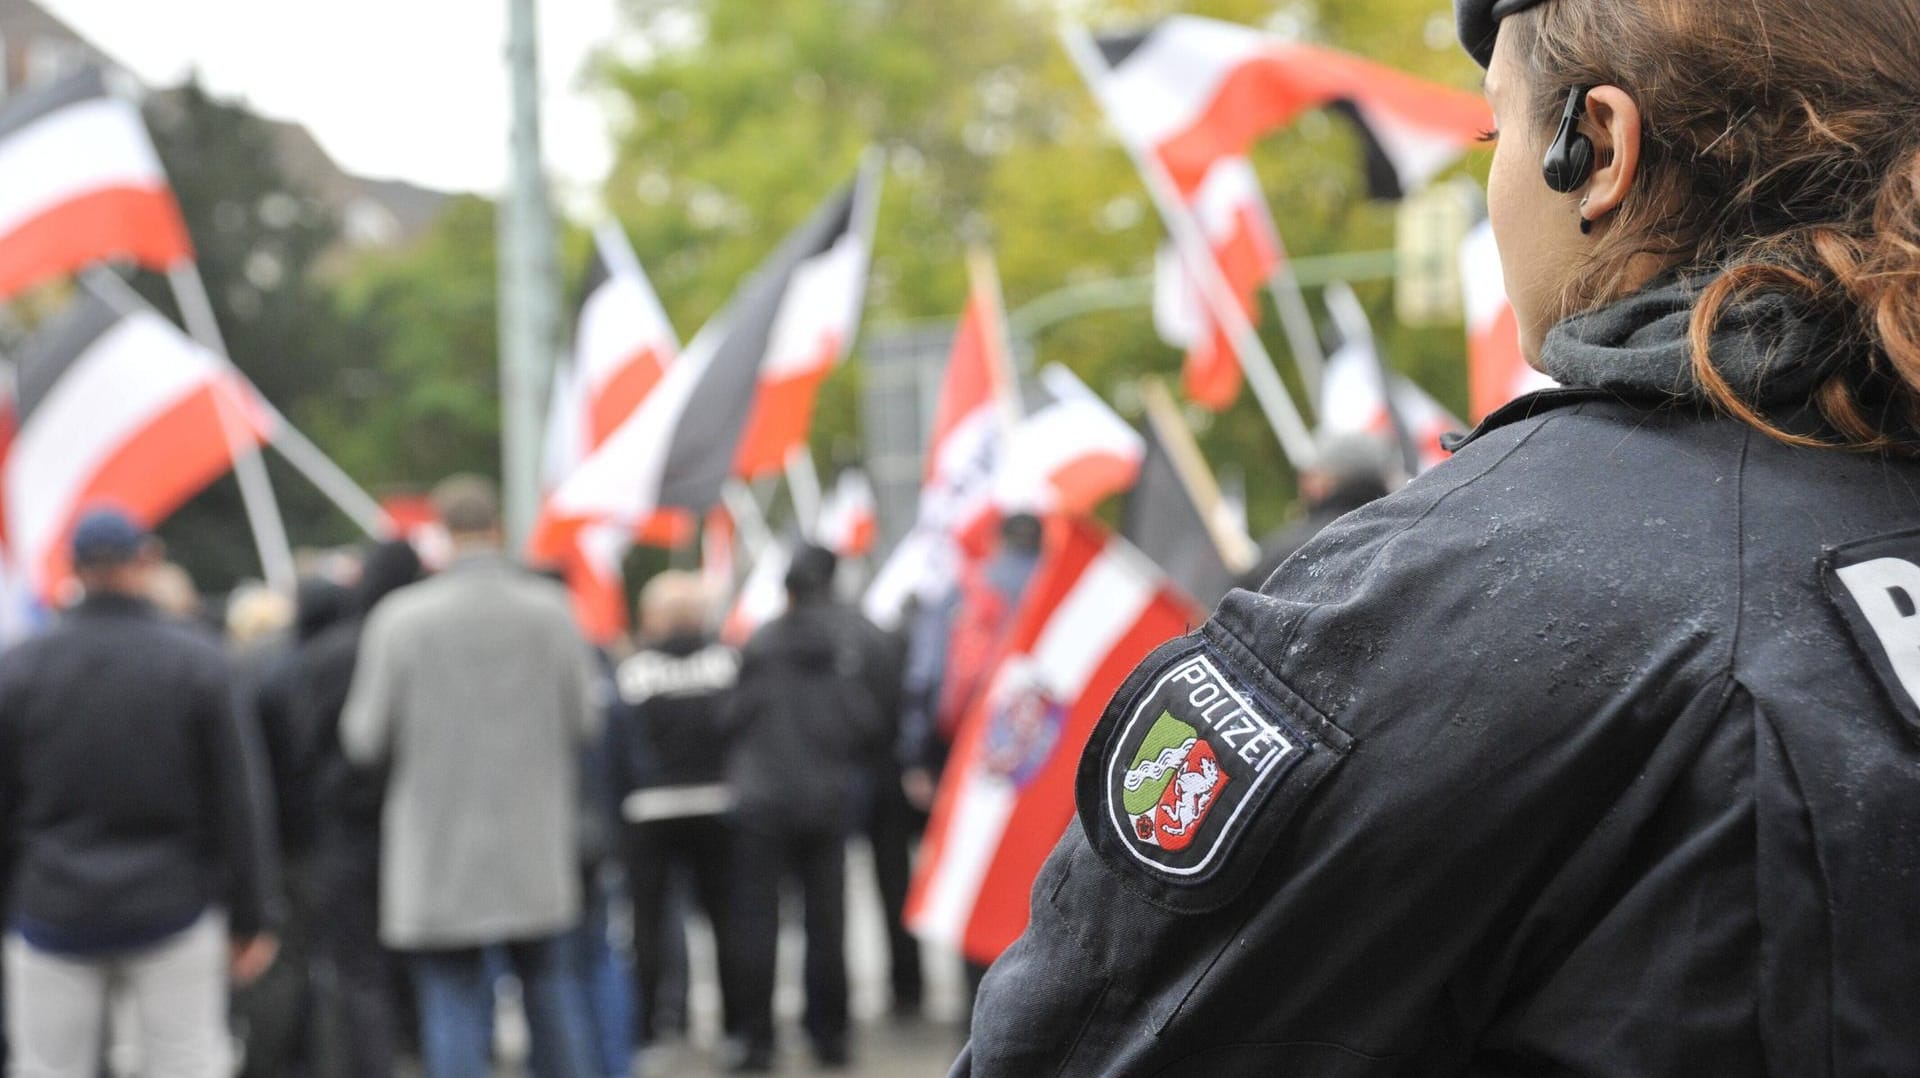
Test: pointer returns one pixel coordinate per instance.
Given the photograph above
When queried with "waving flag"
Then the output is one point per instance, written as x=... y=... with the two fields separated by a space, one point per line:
x=1198 y=90
x=1095 y=608
x=622 y=342
x=1069 y=455
x=83 y=185
x=957 y=516
x=811 y=331
x=1359 y=395
x=115 y=407
x=762 y=597
x=680 y=445
x=622 y=346
x=1497 y=370
x=847 y=524
x=1232 y=212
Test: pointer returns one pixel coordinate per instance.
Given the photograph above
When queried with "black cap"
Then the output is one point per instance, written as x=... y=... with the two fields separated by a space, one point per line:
x=1479 y=21
x=106 y=537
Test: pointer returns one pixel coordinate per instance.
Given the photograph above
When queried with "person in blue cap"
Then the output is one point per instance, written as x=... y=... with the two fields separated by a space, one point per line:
x=1596 y=749
x=136 y=851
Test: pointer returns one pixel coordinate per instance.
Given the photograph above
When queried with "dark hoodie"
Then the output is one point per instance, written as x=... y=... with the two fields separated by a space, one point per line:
x=804 y=720
x=347 y=802
x=284 y=722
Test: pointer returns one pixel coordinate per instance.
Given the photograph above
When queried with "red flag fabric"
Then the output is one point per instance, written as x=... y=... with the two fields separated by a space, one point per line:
x=812 y=331
x=1497 y=369
x=83 y=185
x=957 y=515
x=1096 y=607
x=1197 y=90
x=116 y=407
x=1233 y=215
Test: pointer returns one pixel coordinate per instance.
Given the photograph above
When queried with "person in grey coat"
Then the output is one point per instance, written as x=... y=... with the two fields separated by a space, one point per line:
x=475 y=690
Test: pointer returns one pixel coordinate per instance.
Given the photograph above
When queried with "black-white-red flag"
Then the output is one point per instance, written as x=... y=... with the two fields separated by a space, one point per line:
x=80 y=183
x=116 y=407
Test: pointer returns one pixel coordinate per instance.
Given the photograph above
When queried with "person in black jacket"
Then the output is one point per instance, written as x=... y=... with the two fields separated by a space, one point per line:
x=139 y=853
x=804 y=721
x=1595 y=749
x=1346 y=472
x=667 y=751
x=358 y=1019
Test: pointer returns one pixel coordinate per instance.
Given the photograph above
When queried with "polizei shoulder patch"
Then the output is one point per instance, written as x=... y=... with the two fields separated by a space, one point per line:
x=1189 y=764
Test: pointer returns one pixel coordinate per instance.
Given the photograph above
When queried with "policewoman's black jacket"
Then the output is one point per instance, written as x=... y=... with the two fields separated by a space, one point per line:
x=1592 y=751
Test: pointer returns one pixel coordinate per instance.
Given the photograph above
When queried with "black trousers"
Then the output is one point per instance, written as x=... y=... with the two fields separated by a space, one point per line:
x=653 y=851
x=892 y=827
x=360 y=1018
x=764 y=856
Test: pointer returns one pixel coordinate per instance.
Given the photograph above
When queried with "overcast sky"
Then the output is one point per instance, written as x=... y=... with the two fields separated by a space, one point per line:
x=414 y=89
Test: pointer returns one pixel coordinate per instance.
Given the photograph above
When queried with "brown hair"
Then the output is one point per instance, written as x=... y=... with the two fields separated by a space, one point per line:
x=1780 y=154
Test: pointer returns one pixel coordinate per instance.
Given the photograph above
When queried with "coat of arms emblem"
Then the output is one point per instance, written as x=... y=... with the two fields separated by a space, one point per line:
x=1174 y=781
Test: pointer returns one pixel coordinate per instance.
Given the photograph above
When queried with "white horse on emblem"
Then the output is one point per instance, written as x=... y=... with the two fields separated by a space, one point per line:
x=1194 y=792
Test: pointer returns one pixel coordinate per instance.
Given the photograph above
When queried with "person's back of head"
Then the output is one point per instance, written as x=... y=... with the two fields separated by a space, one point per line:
x=674 y=603
x=113 y=555
x=810 y=575
x=256 y=613
x=1021 y=533
x=469 y=507
x=1765 y=152
x=388 y=566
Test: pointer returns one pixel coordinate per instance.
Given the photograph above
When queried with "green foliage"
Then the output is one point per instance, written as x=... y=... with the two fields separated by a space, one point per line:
x=418 y=396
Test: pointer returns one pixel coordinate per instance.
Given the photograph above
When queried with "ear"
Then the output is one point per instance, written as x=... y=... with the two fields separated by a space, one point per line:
x=1613 y=123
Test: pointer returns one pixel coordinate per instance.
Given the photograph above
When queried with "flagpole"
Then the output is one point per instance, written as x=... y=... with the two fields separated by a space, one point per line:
x=1297 y=321
x=256 y=490
x=327 y=477
x=1351 y=318
x=1255 y=362
x=803 y=486
x=1236 y=551
x=249 y=465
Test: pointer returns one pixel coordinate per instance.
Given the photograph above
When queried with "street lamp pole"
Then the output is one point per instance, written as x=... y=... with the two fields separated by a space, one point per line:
x=529 y=285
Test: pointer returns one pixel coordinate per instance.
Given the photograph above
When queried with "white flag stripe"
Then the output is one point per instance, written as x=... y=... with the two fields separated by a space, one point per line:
x=1056 y=437
x=618 y=323
x=74 y=151
x=1482 y=277
x=986 y=803
x=128 y=376
x=1102 y=607
x=620 y=481
x=821 y=307
x=1166 y=85
x=1105 y=603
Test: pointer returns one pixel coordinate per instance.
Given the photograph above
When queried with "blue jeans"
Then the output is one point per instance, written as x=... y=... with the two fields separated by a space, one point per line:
x=455 y=989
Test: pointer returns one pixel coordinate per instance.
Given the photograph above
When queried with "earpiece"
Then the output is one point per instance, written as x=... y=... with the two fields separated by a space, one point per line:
x=1569 y=159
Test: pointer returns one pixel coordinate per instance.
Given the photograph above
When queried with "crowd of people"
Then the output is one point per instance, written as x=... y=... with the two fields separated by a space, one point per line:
x=329 y=845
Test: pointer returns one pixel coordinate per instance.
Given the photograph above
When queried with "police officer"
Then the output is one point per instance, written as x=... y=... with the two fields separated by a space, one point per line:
x=1595 y=750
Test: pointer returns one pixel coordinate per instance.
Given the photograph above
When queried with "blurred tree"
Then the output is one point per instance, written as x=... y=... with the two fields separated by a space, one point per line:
x=417 y=397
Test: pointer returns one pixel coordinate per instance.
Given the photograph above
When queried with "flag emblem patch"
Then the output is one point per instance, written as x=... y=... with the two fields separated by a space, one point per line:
x=1023 y=722
x=1189 y=765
